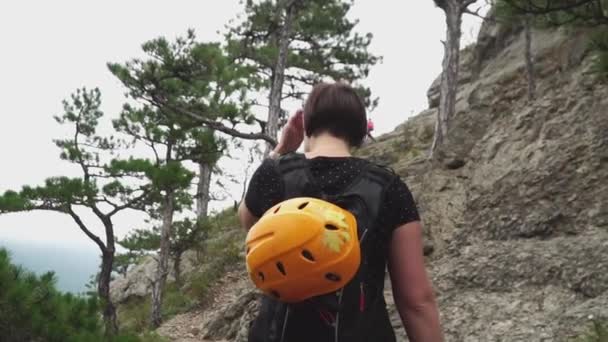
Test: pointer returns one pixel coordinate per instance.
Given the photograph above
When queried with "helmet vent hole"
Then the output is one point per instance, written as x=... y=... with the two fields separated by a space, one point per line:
x=330 y=227
x=303 y=205
x=275 y=294
x=248 y=250
x=277 y=209
x=281 y=268
x=332 y=277
x=308 y=255
x=261 y=275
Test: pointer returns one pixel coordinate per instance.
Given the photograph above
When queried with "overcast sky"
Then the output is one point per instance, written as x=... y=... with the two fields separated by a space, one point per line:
x=50 y=48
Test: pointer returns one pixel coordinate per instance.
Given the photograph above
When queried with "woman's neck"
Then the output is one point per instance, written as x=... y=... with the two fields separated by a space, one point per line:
x=326 y=145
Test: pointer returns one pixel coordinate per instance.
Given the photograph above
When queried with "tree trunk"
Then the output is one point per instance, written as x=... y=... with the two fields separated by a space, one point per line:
x=250 y=161
x=529 y=58
x=276 y=88
x=163 y=261
x=244 y=192
x=449 y=77
x=202 y=191
x=103 y=289
x=177 y=261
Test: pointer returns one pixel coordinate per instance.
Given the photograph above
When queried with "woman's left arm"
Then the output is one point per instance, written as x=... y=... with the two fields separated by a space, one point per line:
x=412 y=288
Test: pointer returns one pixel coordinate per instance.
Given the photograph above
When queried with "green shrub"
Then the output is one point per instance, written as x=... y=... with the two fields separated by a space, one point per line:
x=32 y=309
x=134 y=314
x=220 y=256
x=599 y=44
x=152 y=337
x=224 y=220
x=175 y=301
x=428 y=133
x=414 y=152
x=597 y=332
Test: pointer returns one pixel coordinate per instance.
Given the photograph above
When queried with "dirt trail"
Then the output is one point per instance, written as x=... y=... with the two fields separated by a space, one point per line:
x=188 y=327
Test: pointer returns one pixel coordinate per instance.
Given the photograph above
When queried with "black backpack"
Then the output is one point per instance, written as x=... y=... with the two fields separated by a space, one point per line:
x=358 y=311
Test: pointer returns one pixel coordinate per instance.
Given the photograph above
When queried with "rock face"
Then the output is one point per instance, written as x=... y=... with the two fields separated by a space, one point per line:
x=138 y=281
x=516 y=217
x=520 y=226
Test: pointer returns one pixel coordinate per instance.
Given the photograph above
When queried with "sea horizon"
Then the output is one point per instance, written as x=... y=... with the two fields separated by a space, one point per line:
x=73 y=265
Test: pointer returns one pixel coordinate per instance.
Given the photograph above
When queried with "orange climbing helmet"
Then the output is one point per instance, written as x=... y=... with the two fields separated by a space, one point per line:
x=301 y=248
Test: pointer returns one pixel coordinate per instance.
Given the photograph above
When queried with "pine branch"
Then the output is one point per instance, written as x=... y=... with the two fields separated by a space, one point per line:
x=441 y=3
x=532 y=8
x=106 y=200
x=220 y=127
x=129 y=204
x=84 y=228
x=466 y=4
x=481 y=16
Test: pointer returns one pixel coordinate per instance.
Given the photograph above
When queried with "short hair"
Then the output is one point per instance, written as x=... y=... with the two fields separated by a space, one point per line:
x=337 y=109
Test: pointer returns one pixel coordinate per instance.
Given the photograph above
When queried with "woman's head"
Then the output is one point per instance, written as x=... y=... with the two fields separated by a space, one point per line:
x=335 y=109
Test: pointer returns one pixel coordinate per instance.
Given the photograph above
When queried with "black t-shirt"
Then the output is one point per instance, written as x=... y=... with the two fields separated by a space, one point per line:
x=332 y=174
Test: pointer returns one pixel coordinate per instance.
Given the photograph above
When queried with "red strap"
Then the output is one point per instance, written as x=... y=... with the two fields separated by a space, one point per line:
x=327 y=316
x=361 y=298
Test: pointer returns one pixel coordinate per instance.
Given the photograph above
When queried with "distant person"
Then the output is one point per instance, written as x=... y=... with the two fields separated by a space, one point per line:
x=332 y=122
x=370 y=128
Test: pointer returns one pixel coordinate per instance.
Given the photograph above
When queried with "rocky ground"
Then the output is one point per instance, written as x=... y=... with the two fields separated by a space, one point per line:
x=194 y=326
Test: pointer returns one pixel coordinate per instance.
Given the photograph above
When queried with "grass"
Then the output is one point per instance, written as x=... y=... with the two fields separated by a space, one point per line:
x=175 y=301
x=224 y=220
x=134 y=315
x=599 y=44
x=428 y=133
x=220 y=256
x=405 y=147
x=596 y=332
x=147 y=336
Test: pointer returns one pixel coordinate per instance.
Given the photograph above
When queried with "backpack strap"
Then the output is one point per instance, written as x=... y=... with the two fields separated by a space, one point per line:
x=297 y=179
x=364 y=197
x=369 y=187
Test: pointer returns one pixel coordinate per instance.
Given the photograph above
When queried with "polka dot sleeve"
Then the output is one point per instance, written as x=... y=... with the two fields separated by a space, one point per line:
x=265 y=189
x=399 y=206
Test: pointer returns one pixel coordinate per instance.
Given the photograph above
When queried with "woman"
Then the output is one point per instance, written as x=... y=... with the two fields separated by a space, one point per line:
x=332 y=123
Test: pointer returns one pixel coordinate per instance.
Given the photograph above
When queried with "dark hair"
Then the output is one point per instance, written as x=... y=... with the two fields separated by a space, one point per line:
x=336 y=109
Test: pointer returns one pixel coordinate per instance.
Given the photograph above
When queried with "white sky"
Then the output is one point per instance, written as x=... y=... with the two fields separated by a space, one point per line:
x=50 y=48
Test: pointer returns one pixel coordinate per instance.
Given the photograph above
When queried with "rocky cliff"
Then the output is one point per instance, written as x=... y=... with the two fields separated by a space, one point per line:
x=516 y=214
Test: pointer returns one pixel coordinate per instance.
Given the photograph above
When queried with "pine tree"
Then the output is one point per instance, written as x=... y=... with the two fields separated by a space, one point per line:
x=195 y=80
x=453 y=9
x=100 y=186
x=579 y=13
x=32 y=309
x=179 y=87
x=169 y=179
x=294 y=44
